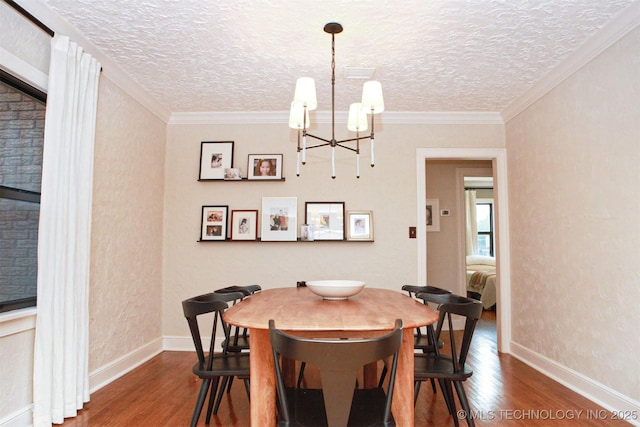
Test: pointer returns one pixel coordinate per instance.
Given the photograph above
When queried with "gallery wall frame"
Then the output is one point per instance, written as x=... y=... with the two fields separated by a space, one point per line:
x=214 y=222
x=244 y=225
x=215 y=157
x=279 y=219
x=326 y=220
x=360 y=225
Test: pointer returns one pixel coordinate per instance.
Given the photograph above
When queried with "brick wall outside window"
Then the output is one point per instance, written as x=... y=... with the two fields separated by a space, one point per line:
x=21 y=141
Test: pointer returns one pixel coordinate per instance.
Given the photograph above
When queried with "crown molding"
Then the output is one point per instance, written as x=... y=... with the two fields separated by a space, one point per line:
x=614 y=30
x=324 y=117
x=110 y=69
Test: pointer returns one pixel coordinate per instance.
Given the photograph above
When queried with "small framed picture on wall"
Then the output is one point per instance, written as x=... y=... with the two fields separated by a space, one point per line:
x=214 y=223
x=244 y=225
x=264 y=166
x=215 y=157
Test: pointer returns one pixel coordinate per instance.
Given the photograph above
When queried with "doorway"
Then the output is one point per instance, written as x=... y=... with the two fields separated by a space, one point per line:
x=499 y=166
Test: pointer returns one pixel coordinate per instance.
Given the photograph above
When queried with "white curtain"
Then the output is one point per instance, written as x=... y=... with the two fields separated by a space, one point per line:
x=471 y=221
x=60 y=377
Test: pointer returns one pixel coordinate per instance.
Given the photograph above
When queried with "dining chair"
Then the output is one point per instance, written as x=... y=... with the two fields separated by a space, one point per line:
x=449 y=368
x=213 y=365
x=422 y=340
x=239 y=336
x=338 y=403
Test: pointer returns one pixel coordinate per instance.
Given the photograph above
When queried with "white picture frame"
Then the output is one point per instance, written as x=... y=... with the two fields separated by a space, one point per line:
x=279 y=219
x=360 y=225
x=433 y=214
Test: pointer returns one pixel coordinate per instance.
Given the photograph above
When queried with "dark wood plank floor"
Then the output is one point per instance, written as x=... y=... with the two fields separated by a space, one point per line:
x=503 y=391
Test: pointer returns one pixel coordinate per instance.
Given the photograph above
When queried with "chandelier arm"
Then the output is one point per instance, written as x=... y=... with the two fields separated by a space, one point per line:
x=346 y=147
x=319 y=145
x=328 y=141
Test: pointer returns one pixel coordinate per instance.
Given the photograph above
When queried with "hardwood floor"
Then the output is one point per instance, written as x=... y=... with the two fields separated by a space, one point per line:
x=503 y=391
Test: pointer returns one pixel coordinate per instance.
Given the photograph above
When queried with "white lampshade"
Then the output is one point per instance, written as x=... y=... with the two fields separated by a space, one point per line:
x=372 y=97
x=296 y=118
x=306 y=93
x=357 y=120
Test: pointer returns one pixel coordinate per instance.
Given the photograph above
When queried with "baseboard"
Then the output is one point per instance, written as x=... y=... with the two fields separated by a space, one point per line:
x=114 y=370
x=613 y=401
x=21 y=418
x=173 y=343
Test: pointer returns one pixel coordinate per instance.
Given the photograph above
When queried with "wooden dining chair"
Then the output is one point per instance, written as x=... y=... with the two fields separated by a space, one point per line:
x=338 y=403
x=212 y=366
x=450 y=369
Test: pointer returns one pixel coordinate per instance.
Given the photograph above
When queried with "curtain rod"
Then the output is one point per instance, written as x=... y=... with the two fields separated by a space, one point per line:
x=30 y=17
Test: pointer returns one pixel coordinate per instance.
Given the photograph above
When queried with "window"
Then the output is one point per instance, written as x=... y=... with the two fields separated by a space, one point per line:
x=22 y=114
x=484 y=219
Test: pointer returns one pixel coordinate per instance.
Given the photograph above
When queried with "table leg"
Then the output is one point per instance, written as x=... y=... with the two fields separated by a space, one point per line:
x=402 y=404
x=370 y=375
x=263 y=381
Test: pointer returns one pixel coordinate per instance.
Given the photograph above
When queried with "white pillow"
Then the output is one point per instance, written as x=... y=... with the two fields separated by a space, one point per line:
x=480 y=259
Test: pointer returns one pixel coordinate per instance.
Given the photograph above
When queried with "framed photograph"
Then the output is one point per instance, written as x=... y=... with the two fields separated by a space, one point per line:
x=215 y=157
x=279 y=219
x=264 y=166
x=433 y=215
x=244 y=225
x=214 y=223
x=360 y=225
x=306 y=233
x=231 y=174
x=326 y=220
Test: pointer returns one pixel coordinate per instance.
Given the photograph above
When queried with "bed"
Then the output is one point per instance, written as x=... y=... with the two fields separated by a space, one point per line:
x=481 y=279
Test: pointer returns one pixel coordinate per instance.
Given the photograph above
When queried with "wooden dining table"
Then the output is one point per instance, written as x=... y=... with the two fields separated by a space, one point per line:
x=298 y=311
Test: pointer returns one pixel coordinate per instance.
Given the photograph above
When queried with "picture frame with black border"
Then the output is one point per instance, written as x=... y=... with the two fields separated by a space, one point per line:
x=326 y=219
x=214 y=222
x=244 y=225
x=264 y=166
x=360 y=225
x=215 y=157
x=279 y=219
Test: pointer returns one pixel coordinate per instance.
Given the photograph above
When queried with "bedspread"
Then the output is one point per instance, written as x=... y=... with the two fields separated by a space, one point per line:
x=484 y=283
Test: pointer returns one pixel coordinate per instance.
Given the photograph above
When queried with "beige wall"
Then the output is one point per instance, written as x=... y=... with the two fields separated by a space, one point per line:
x=389 y=190
x=575 y=240
x=126 y=250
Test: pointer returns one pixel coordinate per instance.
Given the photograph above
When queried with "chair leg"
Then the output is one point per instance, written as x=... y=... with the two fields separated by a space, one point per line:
x=464 y=402
x=225 y=380
x=433 y=386
x=229 y=385
x=212 y=396
x=383 y=375
x=447 y=393
x=301 y=374
x=204 y=388
x=416 y=390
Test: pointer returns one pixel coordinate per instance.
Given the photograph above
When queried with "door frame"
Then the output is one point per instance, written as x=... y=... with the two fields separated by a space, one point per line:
x=498 y=157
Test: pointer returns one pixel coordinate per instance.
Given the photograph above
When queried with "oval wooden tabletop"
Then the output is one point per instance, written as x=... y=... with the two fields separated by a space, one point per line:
x=300 y=309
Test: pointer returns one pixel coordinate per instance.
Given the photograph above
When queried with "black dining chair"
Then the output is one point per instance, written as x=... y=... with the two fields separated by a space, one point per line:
x=212 y=366
x=338 y=403
x=422 y=340
x=450 y=369
x=239 y=336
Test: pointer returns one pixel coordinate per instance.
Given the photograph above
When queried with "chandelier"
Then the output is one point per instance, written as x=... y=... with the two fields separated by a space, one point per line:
x=304 y=100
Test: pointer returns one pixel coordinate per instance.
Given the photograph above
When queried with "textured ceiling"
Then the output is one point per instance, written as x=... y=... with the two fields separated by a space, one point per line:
x=245 y=55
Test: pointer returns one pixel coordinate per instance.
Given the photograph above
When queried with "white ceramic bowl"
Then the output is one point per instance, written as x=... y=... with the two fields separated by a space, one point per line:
x=335 y=289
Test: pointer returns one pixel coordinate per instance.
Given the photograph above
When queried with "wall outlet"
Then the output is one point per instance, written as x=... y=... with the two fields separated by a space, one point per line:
x=412 y=232
x=445 y=212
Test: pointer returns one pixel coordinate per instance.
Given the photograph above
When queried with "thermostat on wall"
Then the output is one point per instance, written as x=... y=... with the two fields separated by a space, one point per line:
x=445 y=212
